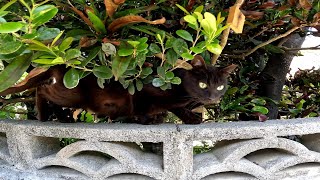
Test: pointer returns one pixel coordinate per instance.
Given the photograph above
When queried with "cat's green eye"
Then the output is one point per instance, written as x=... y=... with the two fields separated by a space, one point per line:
x=203 y=85
x=219 y=88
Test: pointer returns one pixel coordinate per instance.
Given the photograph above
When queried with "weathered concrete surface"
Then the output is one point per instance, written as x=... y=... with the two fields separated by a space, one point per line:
x=242 y=150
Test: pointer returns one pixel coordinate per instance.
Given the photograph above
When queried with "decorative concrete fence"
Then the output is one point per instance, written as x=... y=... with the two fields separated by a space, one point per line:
x=30 y=150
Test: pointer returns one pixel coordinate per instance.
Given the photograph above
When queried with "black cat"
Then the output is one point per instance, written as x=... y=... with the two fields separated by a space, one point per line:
x=202 y=85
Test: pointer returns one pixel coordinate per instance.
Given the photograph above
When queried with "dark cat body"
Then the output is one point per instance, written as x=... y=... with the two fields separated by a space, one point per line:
x=202 y=85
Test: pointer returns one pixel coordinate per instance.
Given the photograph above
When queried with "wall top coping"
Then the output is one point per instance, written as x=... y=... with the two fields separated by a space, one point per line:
x=158 y=133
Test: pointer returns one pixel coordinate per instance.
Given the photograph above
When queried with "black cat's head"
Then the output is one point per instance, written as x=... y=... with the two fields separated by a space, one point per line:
x=205 y=83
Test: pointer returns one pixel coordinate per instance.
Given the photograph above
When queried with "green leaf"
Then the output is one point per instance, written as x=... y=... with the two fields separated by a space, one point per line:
x=56 y=38
x=43 y=14
x=182 y=8
x=214 y=48
x=143 y=40
x=4 y=7
x=102 y=72
x=185 y=35
x=199 y=9
x=125 y=52
x=92 y=54
x=9 y=45
x=119 y=66
x=161 y=71
x=97 y=22
x=139 y=84
x=134 y=43
x=192 y=20
x=169 y=42
x=45 y=33
x=169 y=75
x=146 y=72
x=13 y=72
x=260 y=109
x=43 y=61
x=176 y=80
x=71 y=78
x=187 y=56
x=209 y=23
x=66 y=43
x=197 y=50
x=142 y=47
x=140 y=59
x=131 y=88
x=72 y=54
x=172 y=57
x=58 y=60
x=232 y=91
x=199 y=16
x=10 y=27
x=157 y=82
x=259 y=101
x=154 y=48
x=180 y=46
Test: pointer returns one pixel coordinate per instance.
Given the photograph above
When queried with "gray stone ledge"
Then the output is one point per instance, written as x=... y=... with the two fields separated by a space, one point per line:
x=241 y=150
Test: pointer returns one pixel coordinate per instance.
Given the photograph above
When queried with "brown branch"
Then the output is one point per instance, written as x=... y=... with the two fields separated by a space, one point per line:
x=298 y=49
x=80 y=13
x=264 y=43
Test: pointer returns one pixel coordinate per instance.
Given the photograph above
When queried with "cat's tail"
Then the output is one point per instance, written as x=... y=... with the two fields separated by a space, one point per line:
x=35 y=78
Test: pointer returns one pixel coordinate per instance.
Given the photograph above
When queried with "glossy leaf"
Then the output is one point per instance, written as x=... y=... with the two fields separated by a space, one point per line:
x=119 y=66
x=180 y=46
x=9 y=45
x=187 y=56
x=102 y=72
x=169 y=75
x=43 y=14
x=125 y=52
x=73 y=54
x=10 y=27
x=154 y=48
x=172 y=57
x=71 y=78
x=214 y=48
x=176 y=80
x=157 y=82
x=185 y=35
x=13 y=72
x=45 y=33
x=66 y=43
x=259 y=101
x=261 y=109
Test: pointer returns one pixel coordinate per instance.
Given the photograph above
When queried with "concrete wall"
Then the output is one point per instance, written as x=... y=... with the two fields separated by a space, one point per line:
x=30 y=150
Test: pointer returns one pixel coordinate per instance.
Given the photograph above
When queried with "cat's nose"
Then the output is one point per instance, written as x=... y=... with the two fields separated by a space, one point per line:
x=215 y=100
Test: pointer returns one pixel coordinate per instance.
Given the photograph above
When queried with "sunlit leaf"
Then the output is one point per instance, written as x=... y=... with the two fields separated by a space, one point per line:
x=43 y=14
x=71 y=78
x=10 y=27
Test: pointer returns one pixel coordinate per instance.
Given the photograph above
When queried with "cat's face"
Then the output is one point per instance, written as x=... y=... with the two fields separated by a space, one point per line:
x=205 y=83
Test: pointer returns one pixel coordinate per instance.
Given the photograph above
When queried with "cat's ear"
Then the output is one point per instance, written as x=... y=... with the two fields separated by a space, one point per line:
x=229 y=69
x=198 y=61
